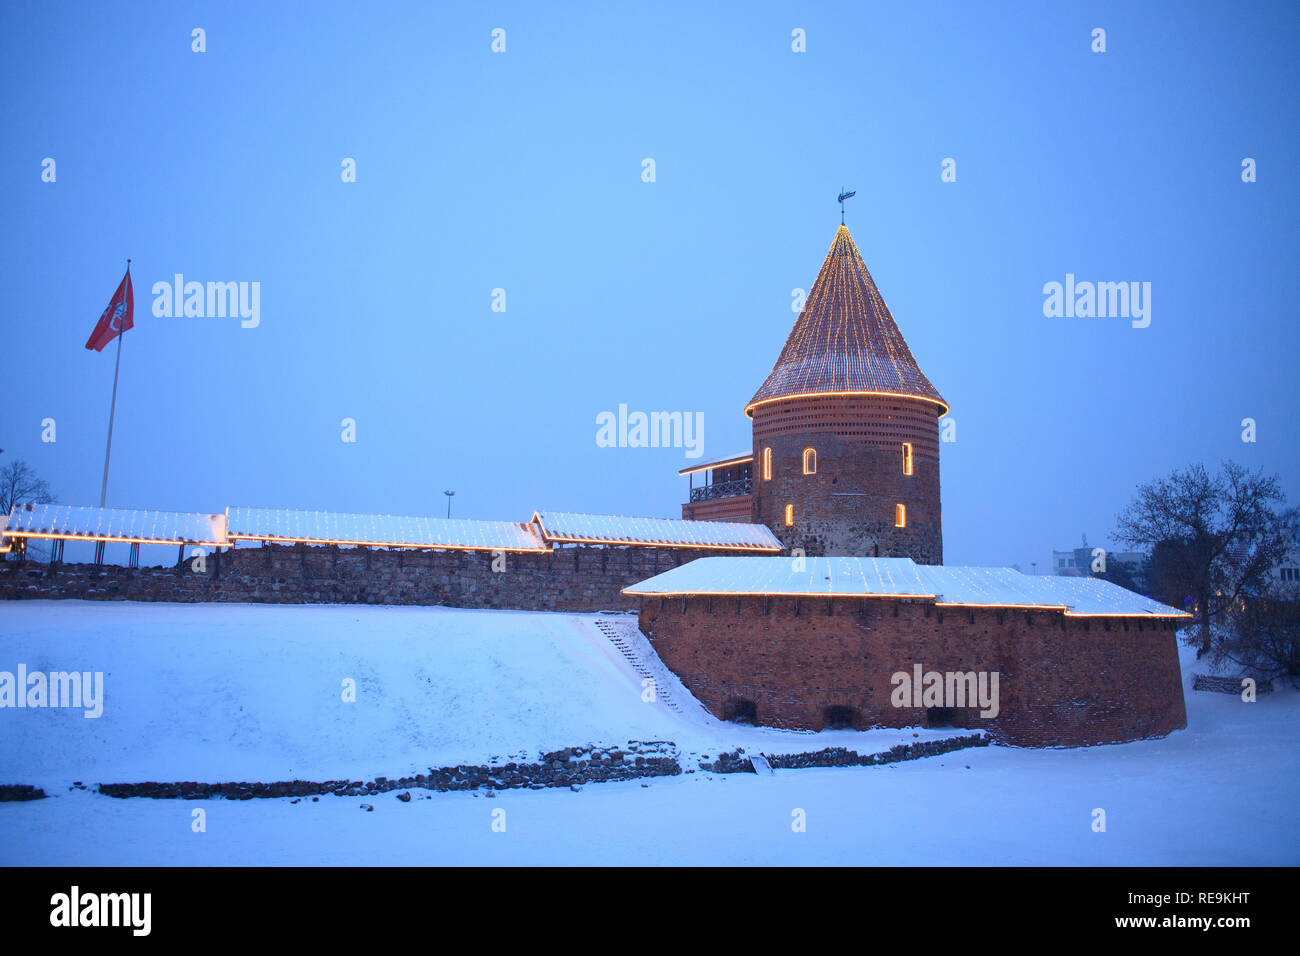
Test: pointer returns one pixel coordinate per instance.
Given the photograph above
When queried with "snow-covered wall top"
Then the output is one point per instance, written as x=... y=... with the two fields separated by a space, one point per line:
x=291 y=525
x=566 y=526
x=898 y=577
x=116 y=524
x=327 y=527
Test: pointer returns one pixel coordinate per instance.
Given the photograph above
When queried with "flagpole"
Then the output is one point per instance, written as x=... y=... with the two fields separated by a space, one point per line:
x=112 y=409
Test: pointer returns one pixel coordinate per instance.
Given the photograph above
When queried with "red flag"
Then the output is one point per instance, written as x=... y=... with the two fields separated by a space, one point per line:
x=116 y=318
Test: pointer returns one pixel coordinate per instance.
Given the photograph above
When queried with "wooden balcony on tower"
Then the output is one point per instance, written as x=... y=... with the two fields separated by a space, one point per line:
x=720 y=490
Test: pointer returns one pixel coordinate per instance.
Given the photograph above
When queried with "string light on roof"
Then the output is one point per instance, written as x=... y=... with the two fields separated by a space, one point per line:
x=573 y=528
x=845 y=341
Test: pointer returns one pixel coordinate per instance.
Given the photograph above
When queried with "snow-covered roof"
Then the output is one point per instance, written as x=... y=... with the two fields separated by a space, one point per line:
x=902 y=578
x=116 y=524
x=737 y=459
x=1007 y=587
x=816 y=577
x=327 y=527
x=566 y=526
x=994 y=587
x=1093 y=597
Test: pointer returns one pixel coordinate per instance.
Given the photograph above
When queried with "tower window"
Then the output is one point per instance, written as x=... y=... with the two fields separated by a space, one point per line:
x=789 y=515
x=900 y=516
x=767 y=464
x=810 y=461
x=907 y=457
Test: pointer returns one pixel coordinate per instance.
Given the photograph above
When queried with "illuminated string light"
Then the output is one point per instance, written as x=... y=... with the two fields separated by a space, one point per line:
x=116 y=525
x=710 y=465
x=845 y=341
x=293 y=526
x=573 y=528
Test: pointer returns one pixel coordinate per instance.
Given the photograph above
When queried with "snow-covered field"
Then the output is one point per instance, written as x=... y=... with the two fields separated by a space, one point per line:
x=254 y=692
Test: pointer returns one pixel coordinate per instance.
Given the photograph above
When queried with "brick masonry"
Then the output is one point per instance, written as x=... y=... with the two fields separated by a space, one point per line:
x=848 y=506
x=737 y=508
x=1063 y=681
x=574 y=578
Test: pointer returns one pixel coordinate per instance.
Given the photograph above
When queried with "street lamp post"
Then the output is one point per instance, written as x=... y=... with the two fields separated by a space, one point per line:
x=449 y=494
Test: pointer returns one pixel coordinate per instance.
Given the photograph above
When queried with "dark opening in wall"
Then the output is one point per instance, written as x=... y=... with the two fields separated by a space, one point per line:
x=740 y=711
x=838 y=717
x=939 y=716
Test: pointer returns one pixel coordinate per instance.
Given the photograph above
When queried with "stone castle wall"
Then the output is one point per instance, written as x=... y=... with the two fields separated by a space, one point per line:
x=576 y=578
x=1062 y=681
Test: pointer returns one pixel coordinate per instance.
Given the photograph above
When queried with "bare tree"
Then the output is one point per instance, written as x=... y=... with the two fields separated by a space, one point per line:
x=1262 y=636
x=1212 y=538
x=20 y=485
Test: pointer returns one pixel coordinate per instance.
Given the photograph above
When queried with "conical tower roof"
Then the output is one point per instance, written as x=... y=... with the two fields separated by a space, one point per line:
x=845 y=341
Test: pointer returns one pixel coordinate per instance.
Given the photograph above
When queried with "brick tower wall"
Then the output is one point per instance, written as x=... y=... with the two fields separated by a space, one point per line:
x=848 y=506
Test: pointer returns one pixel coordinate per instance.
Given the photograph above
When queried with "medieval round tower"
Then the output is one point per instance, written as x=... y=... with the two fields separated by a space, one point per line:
x=846 y=427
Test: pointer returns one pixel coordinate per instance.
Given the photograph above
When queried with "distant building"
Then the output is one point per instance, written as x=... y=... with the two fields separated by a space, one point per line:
x=1078 y=562
x=1287 y=570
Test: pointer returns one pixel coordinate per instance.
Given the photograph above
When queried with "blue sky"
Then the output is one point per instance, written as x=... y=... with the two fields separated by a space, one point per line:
x=522 y=171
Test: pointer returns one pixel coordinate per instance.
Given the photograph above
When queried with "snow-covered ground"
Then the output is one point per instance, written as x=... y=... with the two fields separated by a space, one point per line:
x=214 y=692
x=254 y=692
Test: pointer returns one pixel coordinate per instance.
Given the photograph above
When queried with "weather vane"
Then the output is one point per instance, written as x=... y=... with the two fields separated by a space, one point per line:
x=843 y=196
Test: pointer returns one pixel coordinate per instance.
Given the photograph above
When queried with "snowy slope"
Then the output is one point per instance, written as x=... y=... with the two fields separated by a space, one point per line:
x=214 y=692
